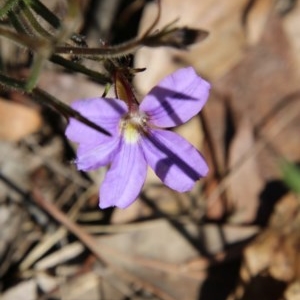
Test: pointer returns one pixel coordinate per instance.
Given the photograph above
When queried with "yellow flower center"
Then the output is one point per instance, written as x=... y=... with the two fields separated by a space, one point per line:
x=132 y=126
x=130 y=133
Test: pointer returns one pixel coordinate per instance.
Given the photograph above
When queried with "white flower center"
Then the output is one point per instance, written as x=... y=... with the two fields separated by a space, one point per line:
x=132 y=126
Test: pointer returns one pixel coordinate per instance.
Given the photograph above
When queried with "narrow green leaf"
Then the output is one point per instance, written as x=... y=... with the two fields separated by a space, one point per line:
x=77 y=67
x=7 y=6
x=35 y=24
x=35 y=71
x=16 y=23
x=44 y=12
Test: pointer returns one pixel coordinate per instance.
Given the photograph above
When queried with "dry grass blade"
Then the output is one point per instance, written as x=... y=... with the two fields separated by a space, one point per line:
x=89 y=242
x=50 y=240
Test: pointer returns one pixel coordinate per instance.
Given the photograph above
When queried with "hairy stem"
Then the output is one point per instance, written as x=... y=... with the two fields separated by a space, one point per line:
x=33 y=22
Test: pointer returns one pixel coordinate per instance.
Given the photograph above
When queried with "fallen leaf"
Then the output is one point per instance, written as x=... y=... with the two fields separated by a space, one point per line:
x=246 y=183
x=26 y=290
x=222 y=20
x=256 y=20
x=274 y=253
x=17 y=121
x=145 y=253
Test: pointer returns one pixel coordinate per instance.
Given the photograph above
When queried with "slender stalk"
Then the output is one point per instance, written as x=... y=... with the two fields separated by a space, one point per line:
x=52 y=19
x=106 y=90
x=35 y=71
x=34 y=44
x=33 y=22
x=43 y=52
x=105 y=52
x=44 y=12
x=20 y=14
x=22 y=39
x=46 y=99
x=68 y=64
x=113 y=51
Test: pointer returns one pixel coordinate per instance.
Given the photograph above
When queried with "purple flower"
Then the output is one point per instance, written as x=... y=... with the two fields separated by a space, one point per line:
x=136 y=140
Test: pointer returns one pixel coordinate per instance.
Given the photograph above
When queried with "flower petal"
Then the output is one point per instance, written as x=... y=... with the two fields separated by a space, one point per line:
x=176 y=99
x=175 y=161
x=92 y=157
x=125 y=178
x=103 y=112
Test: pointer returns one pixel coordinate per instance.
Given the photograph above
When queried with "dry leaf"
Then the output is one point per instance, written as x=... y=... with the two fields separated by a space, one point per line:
x=293 y=291
x=82 y=287
x=17 y=121
x=274 y=253
x=212 y=57
x=155 y=253
x=259 y=84
x=217 y=237
x=26 y=290
x=257 y=19
x=245 y=184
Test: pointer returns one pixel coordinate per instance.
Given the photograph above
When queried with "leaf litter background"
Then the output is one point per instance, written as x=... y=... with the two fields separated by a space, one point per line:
x=235 y=236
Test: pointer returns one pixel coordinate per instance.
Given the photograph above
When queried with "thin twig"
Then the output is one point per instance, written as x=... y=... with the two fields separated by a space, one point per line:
x=91 y=244
x=46 y=99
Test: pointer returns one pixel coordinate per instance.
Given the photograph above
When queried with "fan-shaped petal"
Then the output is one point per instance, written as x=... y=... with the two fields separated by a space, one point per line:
x=125 y=178
x=175 y=161
x=176 y=99
x=103 y=112
x=93 y=157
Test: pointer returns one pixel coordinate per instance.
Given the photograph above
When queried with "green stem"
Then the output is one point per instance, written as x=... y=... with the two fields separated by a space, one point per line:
x=35 y=71
x=42 y=50
x=104 y=52
x=33 y=22
x=106 y=90
x=44 y=12
x=68 y=64
x=46 y=99
x=15 y=22
x=42 y=96
x=52 y=19
x=8 y=6
x=42 y=53
x=35 y=44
